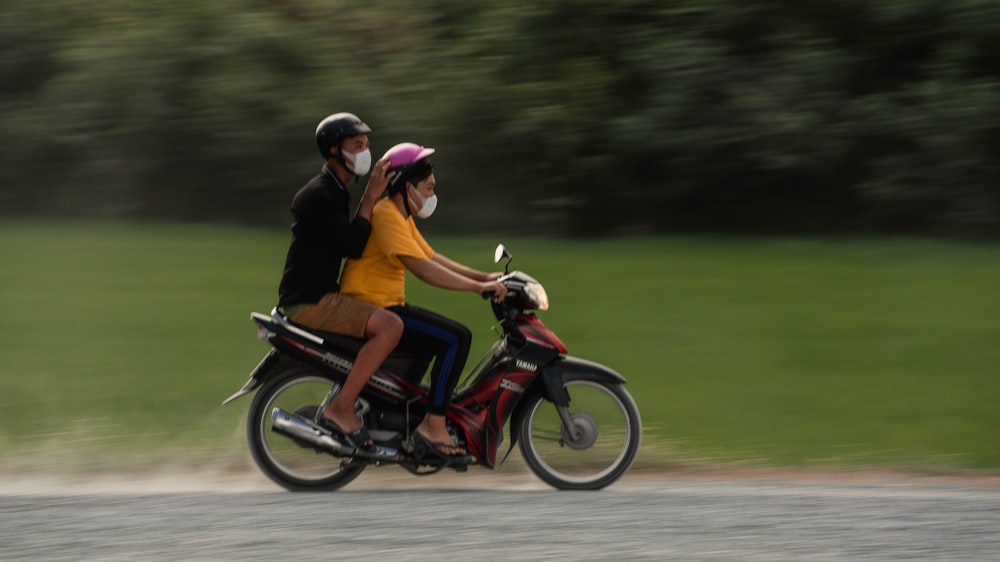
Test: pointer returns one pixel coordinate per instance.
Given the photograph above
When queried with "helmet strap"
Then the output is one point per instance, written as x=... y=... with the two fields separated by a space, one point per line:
x=406 y=199
x=339 y=157
x=395 y=187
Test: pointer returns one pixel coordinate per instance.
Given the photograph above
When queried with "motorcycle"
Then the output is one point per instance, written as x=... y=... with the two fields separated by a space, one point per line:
x=575 y=424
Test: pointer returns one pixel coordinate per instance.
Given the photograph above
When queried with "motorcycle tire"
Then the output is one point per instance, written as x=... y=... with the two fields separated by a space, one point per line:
x=601 y=446
x=294 y=465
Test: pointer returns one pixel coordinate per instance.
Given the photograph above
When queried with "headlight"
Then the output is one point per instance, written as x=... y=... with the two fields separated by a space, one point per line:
x=537 y=294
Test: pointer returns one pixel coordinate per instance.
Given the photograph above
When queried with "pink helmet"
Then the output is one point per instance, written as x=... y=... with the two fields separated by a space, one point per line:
x=405 y=154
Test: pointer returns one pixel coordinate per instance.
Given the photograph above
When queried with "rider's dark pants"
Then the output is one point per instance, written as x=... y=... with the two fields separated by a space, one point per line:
x=448 y=341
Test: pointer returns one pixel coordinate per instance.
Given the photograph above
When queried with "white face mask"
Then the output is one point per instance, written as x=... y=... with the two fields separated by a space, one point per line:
x=427 y=205
x=359 y=163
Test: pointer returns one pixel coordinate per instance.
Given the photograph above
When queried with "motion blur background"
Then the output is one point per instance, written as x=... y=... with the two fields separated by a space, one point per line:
x=575 y=117
x=778 y=219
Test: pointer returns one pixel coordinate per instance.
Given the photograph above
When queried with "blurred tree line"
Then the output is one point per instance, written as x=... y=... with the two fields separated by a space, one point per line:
x=584 y=117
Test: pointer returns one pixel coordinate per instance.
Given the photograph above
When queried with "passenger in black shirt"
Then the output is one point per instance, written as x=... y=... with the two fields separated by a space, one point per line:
x=323 y=235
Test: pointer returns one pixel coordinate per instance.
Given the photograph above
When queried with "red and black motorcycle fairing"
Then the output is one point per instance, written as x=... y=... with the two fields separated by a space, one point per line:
x=495 y=393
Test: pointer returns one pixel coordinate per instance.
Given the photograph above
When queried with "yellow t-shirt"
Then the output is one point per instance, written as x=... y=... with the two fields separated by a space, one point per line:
x=379 y=277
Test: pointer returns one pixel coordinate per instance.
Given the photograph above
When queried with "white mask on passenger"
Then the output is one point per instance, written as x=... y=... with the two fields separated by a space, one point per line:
x=427 y=204
x=359 y=163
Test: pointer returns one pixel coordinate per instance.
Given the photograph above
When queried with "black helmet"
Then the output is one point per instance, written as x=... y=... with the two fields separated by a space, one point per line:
x=337 y=127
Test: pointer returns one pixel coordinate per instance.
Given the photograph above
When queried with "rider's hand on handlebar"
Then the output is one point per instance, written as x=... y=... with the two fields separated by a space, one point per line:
x=494 y=289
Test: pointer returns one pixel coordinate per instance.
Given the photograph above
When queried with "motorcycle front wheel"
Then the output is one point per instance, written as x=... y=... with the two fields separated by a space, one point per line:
x=599 y=448
x=296 y=466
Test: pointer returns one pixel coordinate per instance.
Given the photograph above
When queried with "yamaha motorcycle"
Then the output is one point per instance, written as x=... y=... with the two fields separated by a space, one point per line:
x=575 y=424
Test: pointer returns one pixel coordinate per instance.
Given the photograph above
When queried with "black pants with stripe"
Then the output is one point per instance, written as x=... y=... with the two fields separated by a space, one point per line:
x=426 y=332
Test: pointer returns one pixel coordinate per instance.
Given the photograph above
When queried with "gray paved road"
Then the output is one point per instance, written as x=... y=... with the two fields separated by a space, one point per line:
x=645 y=520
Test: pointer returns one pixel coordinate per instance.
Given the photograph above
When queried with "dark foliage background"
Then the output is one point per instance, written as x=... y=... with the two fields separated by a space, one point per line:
x=585 y=117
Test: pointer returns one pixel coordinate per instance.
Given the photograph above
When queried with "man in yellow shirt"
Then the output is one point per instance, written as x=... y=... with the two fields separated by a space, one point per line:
x=379 y=277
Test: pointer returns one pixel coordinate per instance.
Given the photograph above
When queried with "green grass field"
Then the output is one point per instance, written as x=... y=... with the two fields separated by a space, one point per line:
x=119 y=342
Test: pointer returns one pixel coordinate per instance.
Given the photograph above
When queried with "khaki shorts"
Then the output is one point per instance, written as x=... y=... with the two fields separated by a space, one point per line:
x=337 y=313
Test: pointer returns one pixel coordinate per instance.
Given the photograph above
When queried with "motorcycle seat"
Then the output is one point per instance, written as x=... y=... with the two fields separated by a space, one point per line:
x=411 y=365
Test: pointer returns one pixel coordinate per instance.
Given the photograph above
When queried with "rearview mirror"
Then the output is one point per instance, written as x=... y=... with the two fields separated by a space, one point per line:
x=500 y=252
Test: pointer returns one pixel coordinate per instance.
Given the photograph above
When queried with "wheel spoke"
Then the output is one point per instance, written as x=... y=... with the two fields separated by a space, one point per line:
x=547 y=434
x=550 y=435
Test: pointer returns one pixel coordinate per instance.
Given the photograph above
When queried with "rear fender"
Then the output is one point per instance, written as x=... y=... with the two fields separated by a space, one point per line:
x=260 y=374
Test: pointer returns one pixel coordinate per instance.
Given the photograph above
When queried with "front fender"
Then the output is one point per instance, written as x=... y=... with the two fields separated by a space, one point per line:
x=553 y=373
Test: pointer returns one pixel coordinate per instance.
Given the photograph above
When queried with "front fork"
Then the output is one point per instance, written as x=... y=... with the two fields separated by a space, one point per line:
x=573 y=431
x=560 y=397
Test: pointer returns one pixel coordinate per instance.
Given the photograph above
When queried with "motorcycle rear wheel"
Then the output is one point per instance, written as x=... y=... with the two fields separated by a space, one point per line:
x=607 y=431
x=286 y=462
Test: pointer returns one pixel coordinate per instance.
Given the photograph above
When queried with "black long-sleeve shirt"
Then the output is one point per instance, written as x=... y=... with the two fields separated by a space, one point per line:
x=323 y=234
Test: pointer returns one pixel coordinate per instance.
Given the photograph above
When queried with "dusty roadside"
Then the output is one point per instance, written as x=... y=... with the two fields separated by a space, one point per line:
x=187 y=480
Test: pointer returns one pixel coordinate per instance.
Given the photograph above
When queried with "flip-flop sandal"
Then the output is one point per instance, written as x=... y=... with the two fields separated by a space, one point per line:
x=434 y=447
x=359 y=438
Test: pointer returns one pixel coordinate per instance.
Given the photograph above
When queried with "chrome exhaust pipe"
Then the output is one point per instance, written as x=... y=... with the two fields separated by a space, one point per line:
x=299 y=429
x=303 y=430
